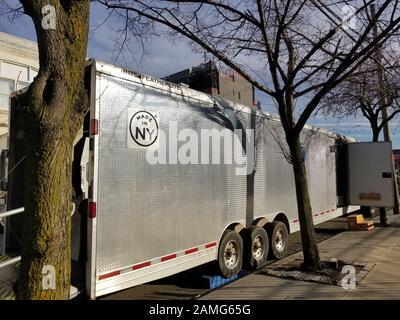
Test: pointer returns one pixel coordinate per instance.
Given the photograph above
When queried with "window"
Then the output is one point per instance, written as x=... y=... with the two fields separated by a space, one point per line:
x=6 y=87
x=239 y=97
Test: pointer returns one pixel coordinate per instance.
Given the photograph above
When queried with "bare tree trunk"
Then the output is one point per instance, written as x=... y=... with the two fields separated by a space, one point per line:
x=383 y=220
x=47 y=223
x=375 y=135
x=53 y=113
x=308 y=239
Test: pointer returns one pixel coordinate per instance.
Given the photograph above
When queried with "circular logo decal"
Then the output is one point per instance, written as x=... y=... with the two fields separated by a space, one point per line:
x=143 y=128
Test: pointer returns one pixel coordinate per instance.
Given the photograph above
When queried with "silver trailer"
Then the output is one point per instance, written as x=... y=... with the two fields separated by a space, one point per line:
x=149 y=206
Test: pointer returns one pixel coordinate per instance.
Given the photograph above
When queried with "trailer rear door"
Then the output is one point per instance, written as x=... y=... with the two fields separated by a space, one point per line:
x=370 y=174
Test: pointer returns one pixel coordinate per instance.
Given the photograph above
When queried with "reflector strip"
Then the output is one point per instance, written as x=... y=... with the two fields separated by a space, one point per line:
x=92 y=210
x=191 y=251
x=318 y=214
x=171 y=256
x=210 y=245
x=109 y=275
x=94 y=127
x=158 y=260
x=141 y=265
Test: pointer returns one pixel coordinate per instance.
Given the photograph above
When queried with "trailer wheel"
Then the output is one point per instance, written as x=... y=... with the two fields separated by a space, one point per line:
x=230 y=253
x=256 y=247
x=278 y=239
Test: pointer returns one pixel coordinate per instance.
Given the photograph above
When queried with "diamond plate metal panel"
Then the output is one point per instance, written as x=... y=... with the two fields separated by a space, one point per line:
x=321 y=171
x=146 y=211
x=275 y=190
x=274 y=181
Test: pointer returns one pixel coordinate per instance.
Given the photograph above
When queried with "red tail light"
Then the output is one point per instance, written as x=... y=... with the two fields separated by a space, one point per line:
x=94 y=127
x=92 y=210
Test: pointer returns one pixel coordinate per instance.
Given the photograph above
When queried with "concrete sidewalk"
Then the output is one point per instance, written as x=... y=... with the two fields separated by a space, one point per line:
x=380 y=246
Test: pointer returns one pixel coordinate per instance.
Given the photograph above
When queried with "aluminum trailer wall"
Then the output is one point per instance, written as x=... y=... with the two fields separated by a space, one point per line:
x=156 y=220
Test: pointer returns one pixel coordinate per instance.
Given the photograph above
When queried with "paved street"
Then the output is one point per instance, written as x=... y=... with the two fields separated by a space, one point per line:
x=379 y=246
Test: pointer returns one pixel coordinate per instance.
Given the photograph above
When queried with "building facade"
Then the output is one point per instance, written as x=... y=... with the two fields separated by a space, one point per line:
x=19 y=64
x=207 y=78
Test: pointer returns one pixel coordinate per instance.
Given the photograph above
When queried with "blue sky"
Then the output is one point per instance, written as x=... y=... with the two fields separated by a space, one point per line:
x=164 y=56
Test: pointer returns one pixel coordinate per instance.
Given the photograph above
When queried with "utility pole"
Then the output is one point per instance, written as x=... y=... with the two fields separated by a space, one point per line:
x=383 y=101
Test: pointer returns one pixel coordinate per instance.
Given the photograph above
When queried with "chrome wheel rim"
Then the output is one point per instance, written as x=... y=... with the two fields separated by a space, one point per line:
x=279 y=241
x=258 y=248
x=231 y=254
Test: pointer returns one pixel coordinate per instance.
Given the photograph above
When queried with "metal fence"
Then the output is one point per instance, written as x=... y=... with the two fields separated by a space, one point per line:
x=3 y=216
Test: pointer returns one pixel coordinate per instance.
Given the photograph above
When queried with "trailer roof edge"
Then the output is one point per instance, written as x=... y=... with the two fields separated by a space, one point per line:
x=148 y=80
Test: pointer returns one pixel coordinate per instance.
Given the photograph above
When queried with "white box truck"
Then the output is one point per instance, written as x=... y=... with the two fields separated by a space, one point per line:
x=157 y=191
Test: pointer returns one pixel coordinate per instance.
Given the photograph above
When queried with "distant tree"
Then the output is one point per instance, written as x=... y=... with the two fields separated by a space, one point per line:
x=361 y=93
x=302 y=46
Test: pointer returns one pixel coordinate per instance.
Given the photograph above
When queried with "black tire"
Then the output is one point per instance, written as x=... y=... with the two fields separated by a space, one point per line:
x=230 y=254
x=255 y=238
x=278 y=239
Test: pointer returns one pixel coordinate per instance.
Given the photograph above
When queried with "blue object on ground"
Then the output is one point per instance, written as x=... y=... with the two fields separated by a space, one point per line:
x=215 y=281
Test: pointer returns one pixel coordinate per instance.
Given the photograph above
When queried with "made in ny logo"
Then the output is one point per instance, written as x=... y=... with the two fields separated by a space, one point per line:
x=143 y=129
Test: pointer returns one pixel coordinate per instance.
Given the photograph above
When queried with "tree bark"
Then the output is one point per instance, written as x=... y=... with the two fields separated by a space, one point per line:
x=383 y=220
x=375 y=134
x=308 y=239
x=53 y=113
x=47 y=223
